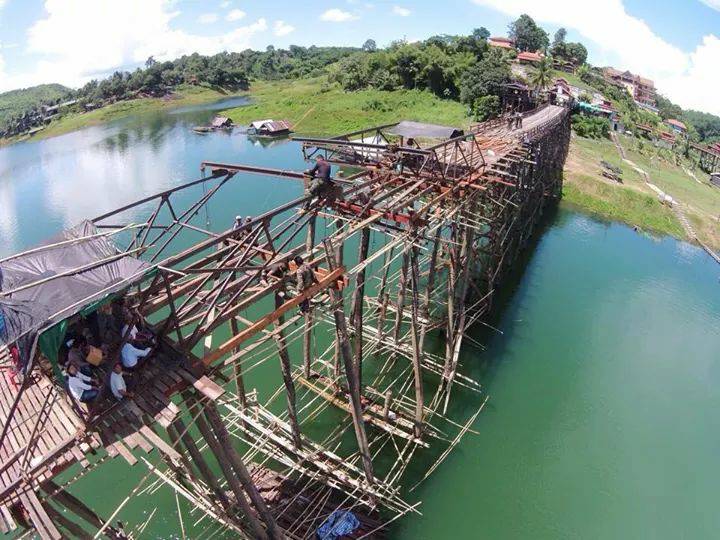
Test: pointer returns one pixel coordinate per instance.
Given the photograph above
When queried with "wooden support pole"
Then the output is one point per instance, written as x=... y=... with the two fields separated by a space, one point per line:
x=237 y=368
x=274 y=532
x=75 y=530
x=382 y=294
x=415 y=333
x=307 y=332
x=76 y=506
x=451 y=284
x=200 y=463
x=432 y=269
x=358 y=302
x=400 y=306
x=220 y=454
x=339 y=261
x=39 y=517
x=353 y=384
x=286 y=368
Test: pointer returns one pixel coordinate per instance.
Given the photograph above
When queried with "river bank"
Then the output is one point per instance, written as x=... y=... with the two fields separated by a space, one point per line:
x=577 y=398
x=315 y=107
x=184 y=95
x=635 y=200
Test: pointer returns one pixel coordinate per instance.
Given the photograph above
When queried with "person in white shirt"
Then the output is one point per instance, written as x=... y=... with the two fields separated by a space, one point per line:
x=117 y=383
x=79 y=385
x=131 y=354
x=132 y=336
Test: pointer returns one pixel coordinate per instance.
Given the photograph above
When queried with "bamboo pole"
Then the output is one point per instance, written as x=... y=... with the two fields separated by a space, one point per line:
x=286 y=368
x=237 y=368
x=357 y=304
x=241 y=473
x=200 y=463
x=414 y=330
x=353 y=383
x=400 y=305
x=307 y=333
x=224 y=461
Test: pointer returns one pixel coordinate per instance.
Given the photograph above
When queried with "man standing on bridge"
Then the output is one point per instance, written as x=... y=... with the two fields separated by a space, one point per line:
x=518 y=120
x=320 y=178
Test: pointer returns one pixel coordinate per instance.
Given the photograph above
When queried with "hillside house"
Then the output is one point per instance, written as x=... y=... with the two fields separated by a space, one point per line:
x=501 y=42
x=526 y=57
x=676 y=125
x=641 y=89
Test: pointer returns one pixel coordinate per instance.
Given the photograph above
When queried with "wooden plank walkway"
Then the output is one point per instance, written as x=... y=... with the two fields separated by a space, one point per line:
x=119 y=428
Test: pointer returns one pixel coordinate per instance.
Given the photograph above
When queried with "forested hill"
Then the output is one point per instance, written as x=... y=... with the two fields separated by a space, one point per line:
x=19 y=102
x=22 y=110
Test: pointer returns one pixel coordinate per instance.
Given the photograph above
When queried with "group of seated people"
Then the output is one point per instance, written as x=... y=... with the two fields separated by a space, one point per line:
x=113 y=335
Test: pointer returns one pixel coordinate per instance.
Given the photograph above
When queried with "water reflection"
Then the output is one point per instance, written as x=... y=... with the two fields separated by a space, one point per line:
x=49 y=185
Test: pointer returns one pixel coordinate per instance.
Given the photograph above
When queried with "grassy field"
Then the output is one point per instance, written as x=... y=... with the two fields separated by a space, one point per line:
x=184 y=95
x=633 y=201
x=316 y=108
x=573 y=80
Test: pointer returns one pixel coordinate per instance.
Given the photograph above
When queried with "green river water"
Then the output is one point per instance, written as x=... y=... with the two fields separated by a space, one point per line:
x=603 y=373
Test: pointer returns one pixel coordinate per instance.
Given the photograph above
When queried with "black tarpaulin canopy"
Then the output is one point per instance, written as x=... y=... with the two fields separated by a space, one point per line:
x=62 y=277
x=418 y=130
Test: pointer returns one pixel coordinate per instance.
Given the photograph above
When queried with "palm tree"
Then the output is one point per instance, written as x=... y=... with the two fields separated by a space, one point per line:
x=543 y=73
x=583 y=71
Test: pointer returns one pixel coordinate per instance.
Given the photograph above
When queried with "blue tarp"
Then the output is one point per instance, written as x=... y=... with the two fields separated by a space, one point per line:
x=339 y=523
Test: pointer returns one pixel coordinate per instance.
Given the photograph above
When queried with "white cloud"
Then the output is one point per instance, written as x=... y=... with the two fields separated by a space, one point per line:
x=281 y=28
x=337 y=15
x=115 y=35
x=627 y=42
x=403 y=12
x=208 y=18
x=225 y=4
x=714 y=4
x=235 y=15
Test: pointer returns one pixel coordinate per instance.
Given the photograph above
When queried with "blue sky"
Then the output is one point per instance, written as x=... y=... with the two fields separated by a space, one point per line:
x=70 y=41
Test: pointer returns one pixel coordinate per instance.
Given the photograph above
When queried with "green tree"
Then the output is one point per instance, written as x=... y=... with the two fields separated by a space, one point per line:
x=408 y=64
x=583 y=71
x=592 y=127
x=559 y=37
x=481 y=33
x=486 y=107
x=528 y=36
x=576 y=53
x=543 y=74
x=485 y=78
x=369 y=46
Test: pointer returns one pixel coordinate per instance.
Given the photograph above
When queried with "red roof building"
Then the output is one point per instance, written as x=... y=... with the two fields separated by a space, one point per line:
x=501 y=42
x=677 y=125
x=529 y=57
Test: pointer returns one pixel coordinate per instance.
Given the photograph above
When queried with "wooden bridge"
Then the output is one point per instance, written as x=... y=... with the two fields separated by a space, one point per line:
x=415 y=245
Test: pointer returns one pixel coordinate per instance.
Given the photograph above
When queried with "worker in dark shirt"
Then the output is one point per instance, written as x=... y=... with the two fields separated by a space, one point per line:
x=305 y=279
x=320 y=175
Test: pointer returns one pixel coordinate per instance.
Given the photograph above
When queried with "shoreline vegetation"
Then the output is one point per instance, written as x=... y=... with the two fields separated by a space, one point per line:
x=183 y=96
x=316 y=107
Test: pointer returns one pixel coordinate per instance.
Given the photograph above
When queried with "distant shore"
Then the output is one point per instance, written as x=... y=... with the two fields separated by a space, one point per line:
x=182 y=96
x=315 y=107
